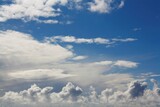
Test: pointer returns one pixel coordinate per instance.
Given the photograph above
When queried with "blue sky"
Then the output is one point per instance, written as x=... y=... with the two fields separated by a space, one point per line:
x=107 y=39
x=120 y=23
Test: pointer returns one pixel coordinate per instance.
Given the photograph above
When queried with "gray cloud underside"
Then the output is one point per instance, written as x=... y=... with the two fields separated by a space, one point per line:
x=137 y=94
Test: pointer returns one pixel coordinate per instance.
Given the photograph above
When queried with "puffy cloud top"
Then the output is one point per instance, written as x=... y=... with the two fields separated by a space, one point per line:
x=48 y=9
x=137 y=93
x=136 y=89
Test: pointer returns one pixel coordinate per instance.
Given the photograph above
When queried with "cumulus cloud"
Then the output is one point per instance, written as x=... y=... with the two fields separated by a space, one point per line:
x=34 y=94
x=29 y=9
x=136 y=94
x=98 y=40
x=104 y=6
x=156 y=89
x=136 y=89
x=101 y=6
x=44 y=10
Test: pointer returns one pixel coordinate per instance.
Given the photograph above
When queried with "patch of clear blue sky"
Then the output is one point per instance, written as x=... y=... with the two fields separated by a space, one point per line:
x=143 y=14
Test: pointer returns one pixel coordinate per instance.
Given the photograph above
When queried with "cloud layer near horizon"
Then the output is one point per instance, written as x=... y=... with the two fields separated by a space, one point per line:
x=137 y=94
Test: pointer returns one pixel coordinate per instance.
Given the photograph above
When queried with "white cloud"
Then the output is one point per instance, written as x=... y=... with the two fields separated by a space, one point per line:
x=29 y=9
x=101 y=6
x=70 y=47
x=34 y=10
x=69 y=39
x=48 y=21
x=73 y=39
x=104 y=6
x=124 y=40
x=137 y=94
x=126 y=64
x=39 y=74
x=101 y=41
x=19 y=48
x=118 y=63
x=121 y=4
x=105 y=63
x=118 y=80
x=99 y=74
x=148 y=75
x=79 y=58
x=23 y=57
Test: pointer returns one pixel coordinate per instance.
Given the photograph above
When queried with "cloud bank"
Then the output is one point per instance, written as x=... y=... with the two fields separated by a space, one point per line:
x=137 y=94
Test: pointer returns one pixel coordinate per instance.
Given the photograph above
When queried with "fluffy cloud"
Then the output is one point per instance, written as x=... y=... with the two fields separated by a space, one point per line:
x=104 y=6
x=21 y=48
x=101 y=6
x=69 y=93
x=44 y=10
x=73 y=39
x=136 y=94
x=156 y=89
x=136 y=89
x=33 y=9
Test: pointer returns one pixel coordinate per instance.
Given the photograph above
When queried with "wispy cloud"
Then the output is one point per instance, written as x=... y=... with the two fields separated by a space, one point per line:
x=38 y=74
x=119 y=63
x=79 y=57
x=98 y=40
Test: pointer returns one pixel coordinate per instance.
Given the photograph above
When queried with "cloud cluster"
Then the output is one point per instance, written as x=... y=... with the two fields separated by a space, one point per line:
x=46 y=11
x=136 y=94
x=24 y=58
x=32 y=10
x=98 y=40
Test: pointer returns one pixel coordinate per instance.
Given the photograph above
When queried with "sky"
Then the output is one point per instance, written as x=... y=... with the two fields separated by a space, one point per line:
x=80 y=51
